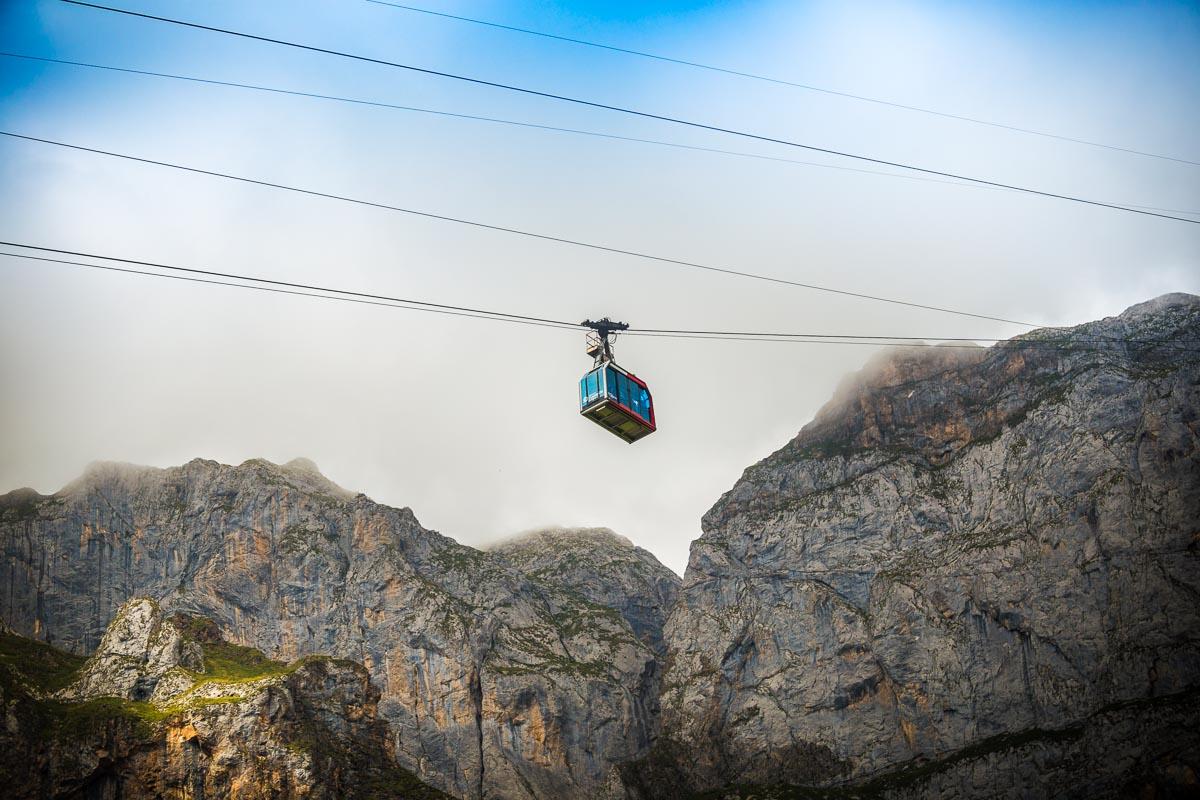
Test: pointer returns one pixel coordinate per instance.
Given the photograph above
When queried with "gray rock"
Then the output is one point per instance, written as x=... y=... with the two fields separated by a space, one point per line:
x=604 y=568
x=963 y=544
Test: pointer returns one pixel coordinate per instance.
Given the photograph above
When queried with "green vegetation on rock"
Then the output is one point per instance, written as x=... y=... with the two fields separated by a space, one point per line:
x=31 y=670
x=232 y=663
x=46 y=668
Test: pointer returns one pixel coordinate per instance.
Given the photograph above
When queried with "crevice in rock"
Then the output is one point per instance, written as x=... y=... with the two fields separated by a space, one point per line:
x=477 y=700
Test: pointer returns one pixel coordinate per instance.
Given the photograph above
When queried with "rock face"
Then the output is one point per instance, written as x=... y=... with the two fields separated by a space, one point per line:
x=223 y=721
x=967 y=554
x=495 y=683
x=602 y=567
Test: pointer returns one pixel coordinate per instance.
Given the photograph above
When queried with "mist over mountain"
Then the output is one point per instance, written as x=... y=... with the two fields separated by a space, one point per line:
x=974 y=574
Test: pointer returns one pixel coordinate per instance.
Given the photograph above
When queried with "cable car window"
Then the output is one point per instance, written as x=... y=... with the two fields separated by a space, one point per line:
x=593 y=385
x=637 y=399
x=644 y=398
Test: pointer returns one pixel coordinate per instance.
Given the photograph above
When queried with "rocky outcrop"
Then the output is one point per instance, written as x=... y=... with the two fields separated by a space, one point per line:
x=966 y=549
x=602 y=567
x=139 y=651
x=494 y=683
x=223 y=721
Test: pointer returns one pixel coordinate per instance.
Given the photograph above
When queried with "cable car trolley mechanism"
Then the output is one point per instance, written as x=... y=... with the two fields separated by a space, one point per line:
x=611 y=397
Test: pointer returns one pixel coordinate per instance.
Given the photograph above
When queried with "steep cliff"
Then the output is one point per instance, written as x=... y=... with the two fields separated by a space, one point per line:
x=165 y=708
x=974 y=574
x=494 y=684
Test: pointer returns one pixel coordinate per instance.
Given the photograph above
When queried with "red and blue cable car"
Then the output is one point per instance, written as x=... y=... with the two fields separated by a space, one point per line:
x=617 y=401
x=610 y=396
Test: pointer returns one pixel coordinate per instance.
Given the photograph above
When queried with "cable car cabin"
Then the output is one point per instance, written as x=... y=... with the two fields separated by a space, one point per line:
x=617 y=401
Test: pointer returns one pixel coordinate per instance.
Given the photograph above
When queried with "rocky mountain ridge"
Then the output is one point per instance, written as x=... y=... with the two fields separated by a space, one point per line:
x=493 y=683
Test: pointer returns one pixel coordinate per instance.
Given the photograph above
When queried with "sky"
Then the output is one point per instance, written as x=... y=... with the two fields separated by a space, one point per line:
x=474 y=424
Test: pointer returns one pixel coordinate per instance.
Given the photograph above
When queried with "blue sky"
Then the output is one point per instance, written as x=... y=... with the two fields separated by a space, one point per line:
x=473 y=424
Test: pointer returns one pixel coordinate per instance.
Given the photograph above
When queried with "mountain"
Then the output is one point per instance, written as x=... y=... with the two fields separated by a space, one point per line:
x=975 y=573
x=603 y=567
x=493 y=683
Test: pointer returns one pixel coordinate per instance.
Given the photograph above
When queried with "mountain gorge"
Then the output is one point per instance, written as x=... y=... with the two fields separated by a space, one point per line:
x=974 y=574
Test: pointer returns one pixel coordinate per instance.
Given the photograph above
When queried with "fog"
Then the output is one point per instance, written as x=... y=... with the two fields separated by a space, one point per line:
x=474 y=424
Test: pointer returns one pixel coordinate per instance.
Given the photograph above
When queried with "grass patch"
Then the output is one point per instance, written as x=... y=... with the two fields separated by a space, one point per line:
x=58 y=720
x=225 y=662
x=25 y=664
x=232 y=663
x=47 y=668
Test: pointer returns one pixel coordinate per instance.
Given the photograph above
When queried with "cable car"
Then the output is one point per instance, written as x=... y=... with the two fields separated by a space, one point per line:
x=612 y=397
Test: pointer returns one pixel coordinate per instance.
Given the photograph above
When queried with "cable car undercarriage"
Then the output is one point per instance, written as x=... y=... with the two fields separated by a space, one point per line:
x=610 y=396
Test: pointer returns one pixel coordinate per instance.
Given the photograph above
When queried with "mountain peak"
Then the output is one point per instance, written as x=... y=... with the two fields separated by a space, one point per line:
x=1160 y=304
x=304 y=465
x=602 y=566
x=563 y=536
x=302 y=473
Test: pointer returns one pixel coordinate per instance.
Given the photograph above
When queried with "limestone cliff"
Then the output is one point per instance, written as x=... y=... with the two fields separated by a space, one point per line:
x=165 y=708
x=494 y=683
x=974 y=574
